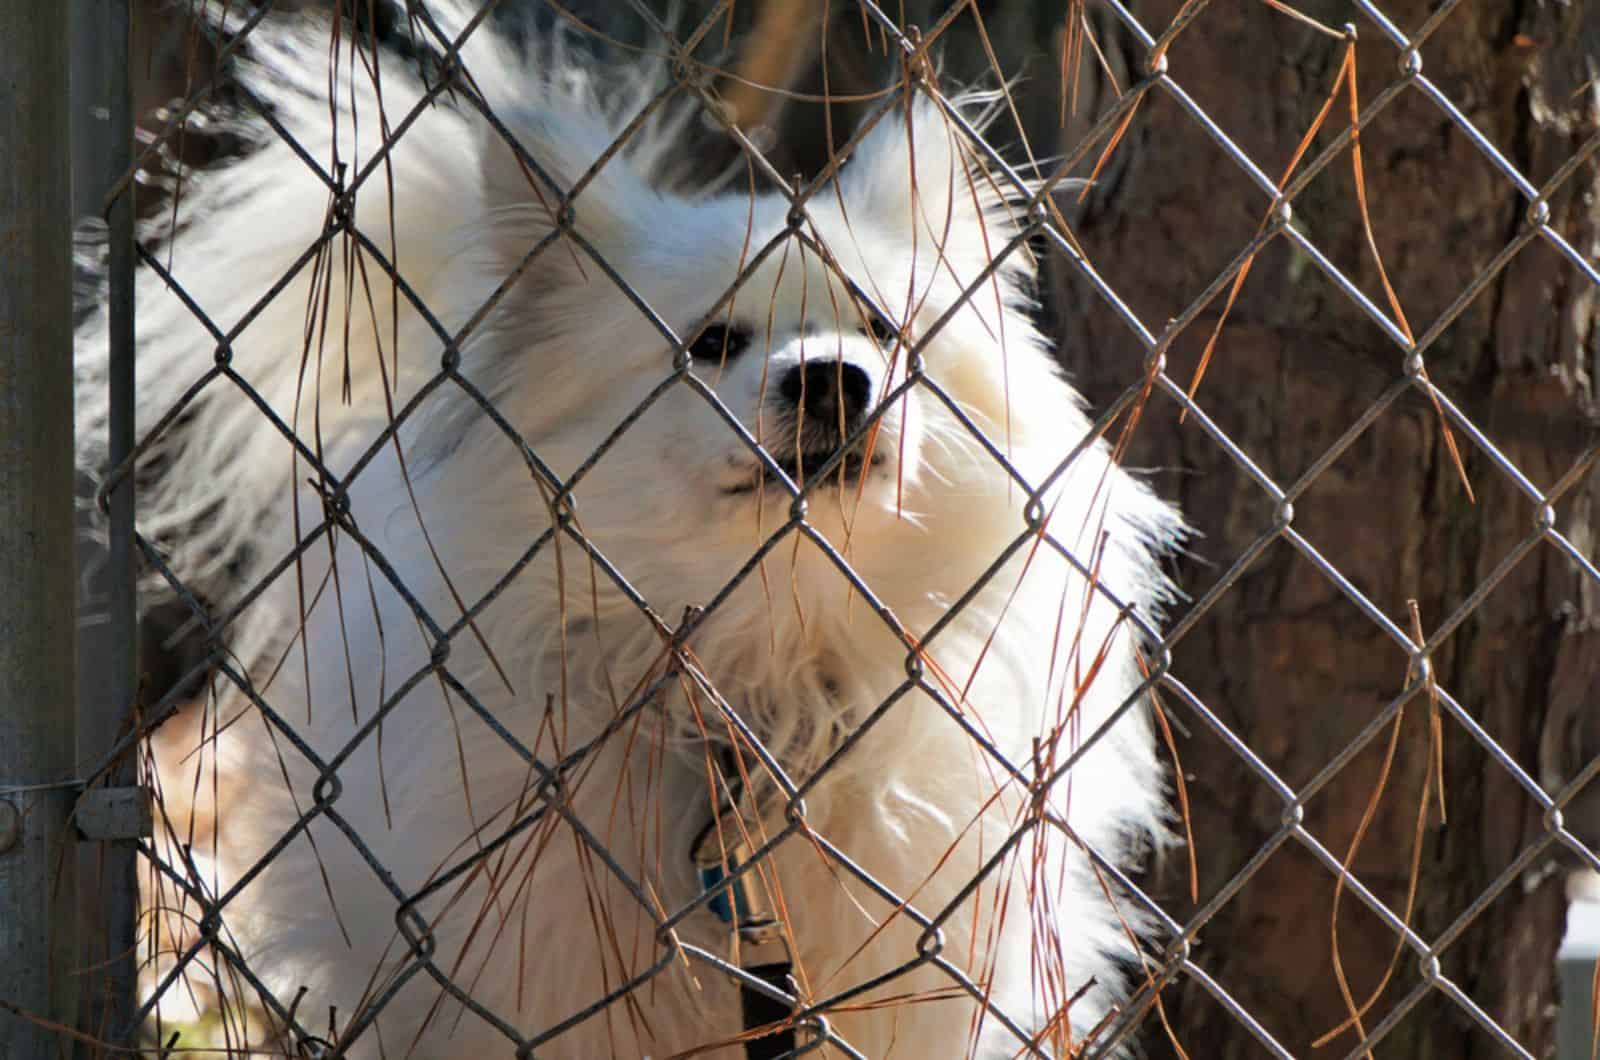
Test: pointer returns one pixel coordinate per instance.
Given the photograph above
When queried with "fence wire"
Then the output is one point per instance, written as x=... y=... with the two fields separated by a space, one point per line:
x=202 y=982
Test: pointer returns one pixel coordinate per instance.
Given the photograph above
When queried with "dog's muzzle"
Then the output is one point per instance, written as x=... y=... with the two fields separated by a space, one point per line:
x=826 y=395
x=823 y=405
x=816 y=409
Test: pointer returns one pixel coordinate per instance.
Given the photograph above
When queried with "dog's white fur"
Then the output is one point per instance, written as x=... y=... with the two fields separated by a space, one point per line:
x=543 y=928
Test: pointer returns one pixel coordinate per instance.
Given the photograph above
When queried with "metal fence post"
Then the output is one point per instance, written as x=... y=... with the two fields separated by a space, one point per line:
x=38 y=952
x=102 y=137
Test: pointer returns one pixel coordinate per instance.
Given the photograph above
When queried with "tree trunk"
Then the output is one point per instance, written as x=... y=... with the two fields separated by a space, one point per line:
x=1284 y=658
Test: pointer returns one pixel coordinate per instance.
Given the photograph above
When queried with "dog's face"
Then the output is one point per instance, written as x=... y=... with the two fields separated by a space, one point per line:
x=808 y=367
x=818 y=335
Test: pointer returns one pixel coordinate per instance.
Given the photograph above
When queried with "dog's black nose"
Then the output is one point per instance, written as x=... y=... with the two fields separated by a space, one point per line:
x=821 y=389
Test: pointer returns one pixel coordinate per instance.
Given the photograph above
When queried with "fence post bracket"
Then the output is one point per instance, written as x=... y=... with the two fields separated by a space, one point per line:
x=108 y=814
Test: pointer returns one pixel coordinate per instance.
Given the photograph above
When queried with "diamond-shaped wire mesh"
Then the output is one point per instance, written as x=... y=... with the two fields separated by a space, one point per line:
x=482 y=670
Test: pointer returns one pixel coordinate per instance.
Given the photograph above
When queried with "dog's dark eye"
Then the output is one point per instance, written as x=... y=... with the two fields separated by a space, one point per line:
x=882 y=332
x=719 y=342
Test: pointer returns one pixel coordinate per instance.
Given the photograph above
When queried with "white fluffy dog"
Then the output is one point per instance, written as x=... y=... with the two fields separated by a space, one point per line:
x=524 y=607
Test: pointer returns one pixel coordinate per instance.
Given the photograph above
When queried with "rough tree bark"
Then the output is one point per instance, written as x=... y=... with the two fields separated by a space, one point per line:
x=1283 y=658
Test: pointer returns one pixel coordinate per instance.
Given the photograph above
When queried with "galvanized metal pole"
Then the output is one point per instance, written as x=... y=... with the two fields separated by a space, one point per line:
x=39 y=956
x=102 y=126
x=91 y=114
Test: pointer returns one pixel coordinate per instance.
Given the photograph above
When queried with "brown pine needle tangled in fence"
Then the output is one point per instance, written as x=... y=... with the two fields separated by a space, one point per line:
x=1433 y=780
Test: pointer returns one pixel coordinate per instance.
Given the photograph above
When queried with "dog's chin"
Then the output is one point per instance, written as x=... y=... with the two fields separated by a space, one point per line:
x=816 y=470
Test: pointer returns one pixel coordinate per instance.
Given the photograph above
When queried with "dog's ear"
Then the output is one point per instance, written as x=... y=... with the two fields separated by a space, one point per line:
x=917 y=171
x=529 y=193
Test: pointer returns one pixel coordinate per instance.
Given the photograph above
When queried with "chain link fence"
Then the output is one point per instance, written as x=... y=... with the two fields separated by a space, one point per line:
x=725 y=97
